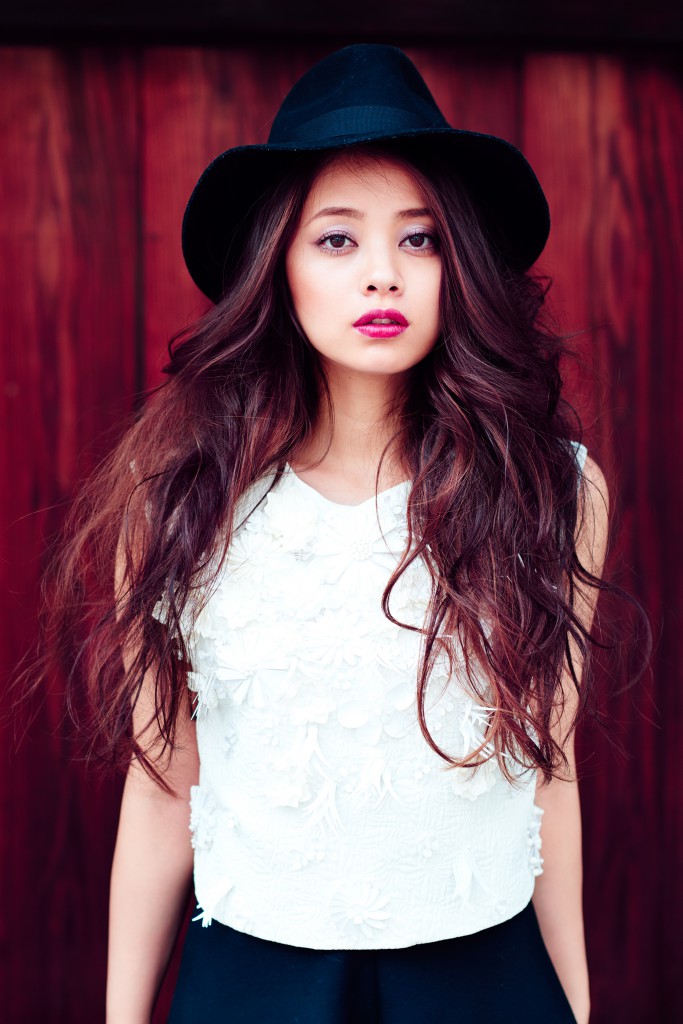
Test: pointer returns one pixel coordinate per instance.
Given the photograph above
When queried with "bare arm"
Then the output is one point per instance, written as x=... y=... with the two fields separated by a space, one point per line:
x=557 y=895
x=151 y=872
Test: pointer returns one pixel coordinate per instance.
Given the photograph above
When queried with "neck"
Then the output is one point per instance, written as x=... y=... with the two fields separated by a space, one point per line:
x=363 y=423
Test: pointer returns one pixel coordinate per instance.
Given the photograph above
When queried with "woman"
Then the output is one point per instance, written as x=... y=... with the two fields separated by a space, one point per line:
x=352 y=527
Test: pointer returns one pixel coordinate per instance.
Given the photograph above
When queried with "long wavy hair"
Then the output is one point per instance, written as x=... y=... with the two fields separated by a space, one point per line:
x=483 y=430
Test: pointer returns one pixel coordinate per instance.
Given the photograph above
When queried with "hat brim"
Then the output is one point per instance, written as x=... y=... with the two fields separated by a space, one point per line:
x=497 y=174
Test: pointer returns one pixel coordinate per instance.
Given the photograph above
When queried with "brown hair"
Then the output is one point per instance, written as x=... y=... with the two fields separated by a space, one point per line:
x=484 y=431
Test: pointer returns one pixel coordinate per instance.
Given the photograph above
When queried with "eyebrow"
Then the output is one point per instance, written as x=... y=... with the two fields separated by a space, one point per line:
x=348 y=211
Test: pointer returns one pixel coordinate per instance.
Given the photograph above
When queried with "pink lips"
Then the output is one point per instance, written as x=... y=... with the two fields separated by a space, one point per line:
x=365 y=326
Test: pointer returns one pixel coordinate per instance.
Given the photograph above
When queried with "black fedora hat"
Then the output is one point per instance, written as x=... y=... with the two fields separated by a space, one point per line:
x=361 y=93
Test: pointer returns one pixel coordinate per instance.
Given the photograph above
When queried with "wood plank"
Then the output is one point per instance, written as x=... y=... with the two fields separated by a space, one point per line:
x=656 y=107
x=67 y=293
x=615 y=255
x=478 y=90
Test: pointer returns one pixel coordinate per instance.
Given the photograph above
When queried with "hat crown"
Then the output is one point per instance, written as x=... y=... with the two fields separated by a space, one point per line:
x=366 y=85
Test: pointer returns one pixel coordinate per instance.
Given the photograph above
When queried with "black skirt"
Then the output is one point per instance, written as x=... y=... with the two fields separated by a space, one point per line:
x=503 y=973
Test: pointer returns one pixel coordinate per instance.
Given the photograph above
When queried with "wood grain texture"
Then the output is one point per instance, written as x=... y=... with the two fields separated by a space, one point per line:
x=67 y=294
x=603 y=134
x=104 y=149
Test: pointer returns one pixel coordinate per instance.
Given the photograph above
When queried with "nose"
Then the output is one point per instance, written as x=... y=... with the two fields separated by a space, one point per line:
x=380 y=272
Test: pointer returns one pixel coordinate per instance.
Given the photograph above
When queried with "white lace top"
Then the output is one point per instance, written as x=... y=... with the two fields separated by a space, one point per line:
x=322 y=817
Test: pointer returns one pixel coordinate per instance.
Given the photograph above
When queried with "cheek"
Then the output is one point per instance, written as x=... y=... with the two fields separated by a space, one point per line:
x=317 y=296
x=292 y=274
x=431 y=291
x=306 y=282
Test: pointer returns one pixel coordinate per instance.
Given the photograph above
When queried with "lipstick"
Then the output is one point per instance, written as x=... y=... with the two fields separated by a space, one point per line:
x=381 y=323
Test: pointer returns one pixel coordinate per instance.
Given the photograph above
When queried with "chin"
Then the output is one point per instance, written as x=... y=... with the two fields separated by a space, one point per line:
x=385 y=371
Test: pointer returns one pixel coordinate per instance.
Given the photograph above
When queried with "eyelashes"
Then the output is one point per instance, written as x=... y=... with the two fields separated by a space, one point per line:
x=335 y=250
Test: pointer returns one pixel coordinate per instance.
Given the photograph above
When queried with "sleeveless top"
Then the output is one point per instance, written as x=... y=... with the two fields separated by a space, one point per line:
x=322 y=817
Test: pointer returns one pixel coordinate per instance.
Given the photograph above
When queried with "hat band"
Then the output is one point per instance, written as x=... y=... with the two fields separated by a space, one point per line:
x=359 y=121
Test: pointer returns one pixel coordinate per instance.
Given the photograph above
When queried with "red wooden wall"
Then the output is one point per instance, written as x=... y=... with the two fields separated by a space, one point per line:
x=100 y=150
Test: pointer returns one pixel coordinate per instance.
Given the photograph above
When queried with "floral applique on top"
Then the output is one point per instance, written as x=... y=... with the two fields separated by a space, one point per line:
x=322 y=817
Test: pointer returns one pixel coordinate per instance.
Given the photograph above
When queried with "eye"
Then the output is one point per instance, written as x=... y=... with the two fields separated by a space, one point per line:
x=336 y=240
x=420 y=241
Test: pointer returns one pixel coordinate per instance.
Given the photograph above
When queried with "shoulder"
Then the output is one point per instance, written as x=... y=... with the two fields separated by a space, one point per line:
x=592 y=527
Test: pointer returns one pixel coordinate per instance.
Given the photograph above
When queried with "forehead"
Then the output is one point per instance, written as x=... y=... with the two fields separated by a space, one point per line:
x=359 y=174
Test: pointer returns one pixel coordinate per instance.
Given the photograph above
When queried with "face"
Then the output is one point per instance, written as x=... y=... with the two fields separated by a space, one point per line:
x=366 y=248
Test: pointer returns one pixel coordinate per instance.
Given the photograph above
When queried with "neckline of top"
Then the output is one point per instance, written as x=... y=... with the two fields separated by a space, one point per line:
x=342 y=505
